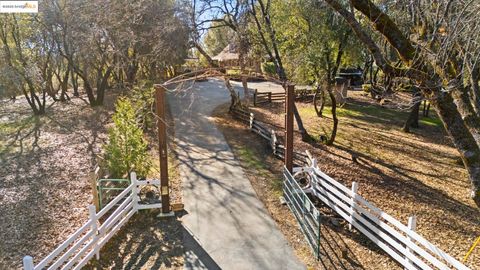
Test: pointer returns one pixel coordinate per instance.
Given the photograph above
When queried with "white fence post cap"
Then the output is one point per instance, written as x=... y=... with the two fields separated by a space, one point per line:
x=28 y=263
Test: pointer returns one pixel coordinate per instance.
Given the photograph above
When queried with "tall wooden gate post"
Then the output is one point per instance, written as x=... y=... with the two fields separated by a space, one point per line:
x=289 y=107
x=162 y=145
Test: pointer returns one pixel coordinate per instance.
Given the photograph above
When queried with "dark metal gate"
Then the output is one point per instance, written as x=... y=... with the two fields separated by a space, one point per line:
x=304 y=210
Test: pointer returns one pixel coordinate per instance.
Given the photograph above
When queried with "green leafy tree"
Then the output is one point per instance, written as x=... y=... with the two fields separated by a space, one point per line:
x=126 y=150
x=217 y=38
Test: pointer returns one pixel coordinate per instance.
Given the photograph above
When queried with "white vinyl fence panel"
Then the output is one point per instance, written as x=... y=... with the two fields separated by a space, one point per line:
x=400 y=241
x=82 y=245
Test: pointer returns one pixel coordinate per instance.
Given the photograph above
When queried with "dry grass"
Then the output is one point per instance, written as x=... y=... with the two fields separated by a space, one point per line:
x=145 y=242
x=404 y=174
x=44 y=186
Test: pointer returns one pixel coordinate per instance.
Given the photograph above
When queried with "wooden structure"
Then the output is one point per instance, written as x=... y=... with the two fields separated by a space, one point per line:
x=269 y=97
x=229 y=57
x=270 y=135
x=289 y=108
x=162 y=145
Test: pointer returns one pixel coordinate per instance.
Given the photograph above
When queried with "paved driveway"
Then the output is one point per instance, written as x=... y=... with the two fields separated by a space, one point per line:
x=226 y=225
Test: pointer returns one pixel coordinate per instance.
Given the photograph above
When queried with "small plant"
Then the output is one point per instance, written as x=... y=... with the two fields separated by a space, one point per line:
x=143 y=98
x=269 y=68
x=366 y=88
x=126 y=150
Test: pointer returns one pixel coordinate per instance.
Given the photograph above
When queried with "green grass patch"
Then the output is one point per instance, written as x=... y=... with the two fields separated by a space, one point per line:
x=369 y=113
x=431 y=121
x=10 y=127
x=255 y=162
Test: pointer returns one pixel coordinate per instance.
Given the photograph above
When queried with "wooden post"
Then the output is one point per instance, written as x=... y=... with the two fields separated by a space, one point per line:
x=269 y=97
x=289 y=104
x=412 y=225
x=162 y=142
x=255 y=98
x=28 y=263
x=274 y=142
x=352 y=207
x=252 y=118
x=94 y=178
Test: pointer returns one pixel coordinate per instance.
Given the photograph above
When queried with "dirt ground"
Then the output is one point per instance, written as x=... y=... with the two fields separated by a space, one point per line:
x=45 y=186
x=147 y=241
x=404 y=174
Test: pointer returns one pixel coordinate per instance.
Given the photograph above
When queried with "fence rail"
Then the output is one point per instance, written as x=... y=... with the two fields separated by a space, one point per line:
x=269 y=135
x=400 y=241
x=269 y=97
x=82 y=245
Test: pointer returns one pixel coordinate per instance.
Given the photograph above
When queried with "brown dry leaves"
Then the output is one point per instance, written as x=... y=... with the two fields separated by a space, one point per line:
x=403 y=174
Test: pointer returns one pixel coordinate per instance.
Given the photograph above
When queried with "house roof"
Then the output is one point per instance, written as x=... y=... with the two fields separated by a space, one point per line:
x=228 y=53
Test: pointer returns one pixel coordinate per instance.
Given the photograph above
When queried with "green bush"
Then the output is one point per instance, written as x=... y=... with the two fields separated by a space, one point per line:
x=126 y=150
x=143 y=98
x=366 y=87
x=269 y=68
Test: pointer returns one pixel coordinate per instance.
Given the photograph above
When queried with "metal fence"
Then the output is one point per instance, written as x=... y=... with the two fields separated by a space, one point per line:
x=304 y=210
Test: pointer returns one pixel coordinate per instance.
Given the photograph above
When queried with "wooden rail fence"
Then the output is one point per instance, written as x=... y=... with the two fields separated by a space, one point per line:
x=82 y=245
x=269 y=135
x=269 y=97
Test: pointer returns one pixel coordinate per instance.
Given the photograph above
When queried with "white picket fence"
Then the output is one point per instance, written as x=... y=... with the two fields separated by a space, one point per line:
x=87 y=241
x=400 y=241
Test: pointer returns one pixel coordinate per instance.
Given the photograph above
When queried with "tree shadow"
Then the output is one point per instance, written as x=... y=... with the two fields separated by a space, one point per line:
x=145 y=242
x=335 y=253
x=45 y=164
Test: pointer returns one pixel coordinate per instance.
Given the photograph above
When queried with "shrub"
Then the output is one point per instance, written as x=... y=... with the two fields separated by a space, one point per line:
x=126 y=150
x=366 y=87
x=143 y=99
x=269 y=68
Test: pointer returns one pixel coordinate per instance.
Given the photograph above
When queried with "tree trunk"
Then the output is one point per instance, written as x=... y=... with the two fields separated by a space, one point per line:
x=205 y=54
x=333 y=135
x=102 y=84
x=89 y=90
x=74 y=78
x=131 y=72
x=277 y=59
x=412 y=120
x=319 y=101
x=456 y=114
x=475 y=89
x=463 y=140
x=235 y=99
